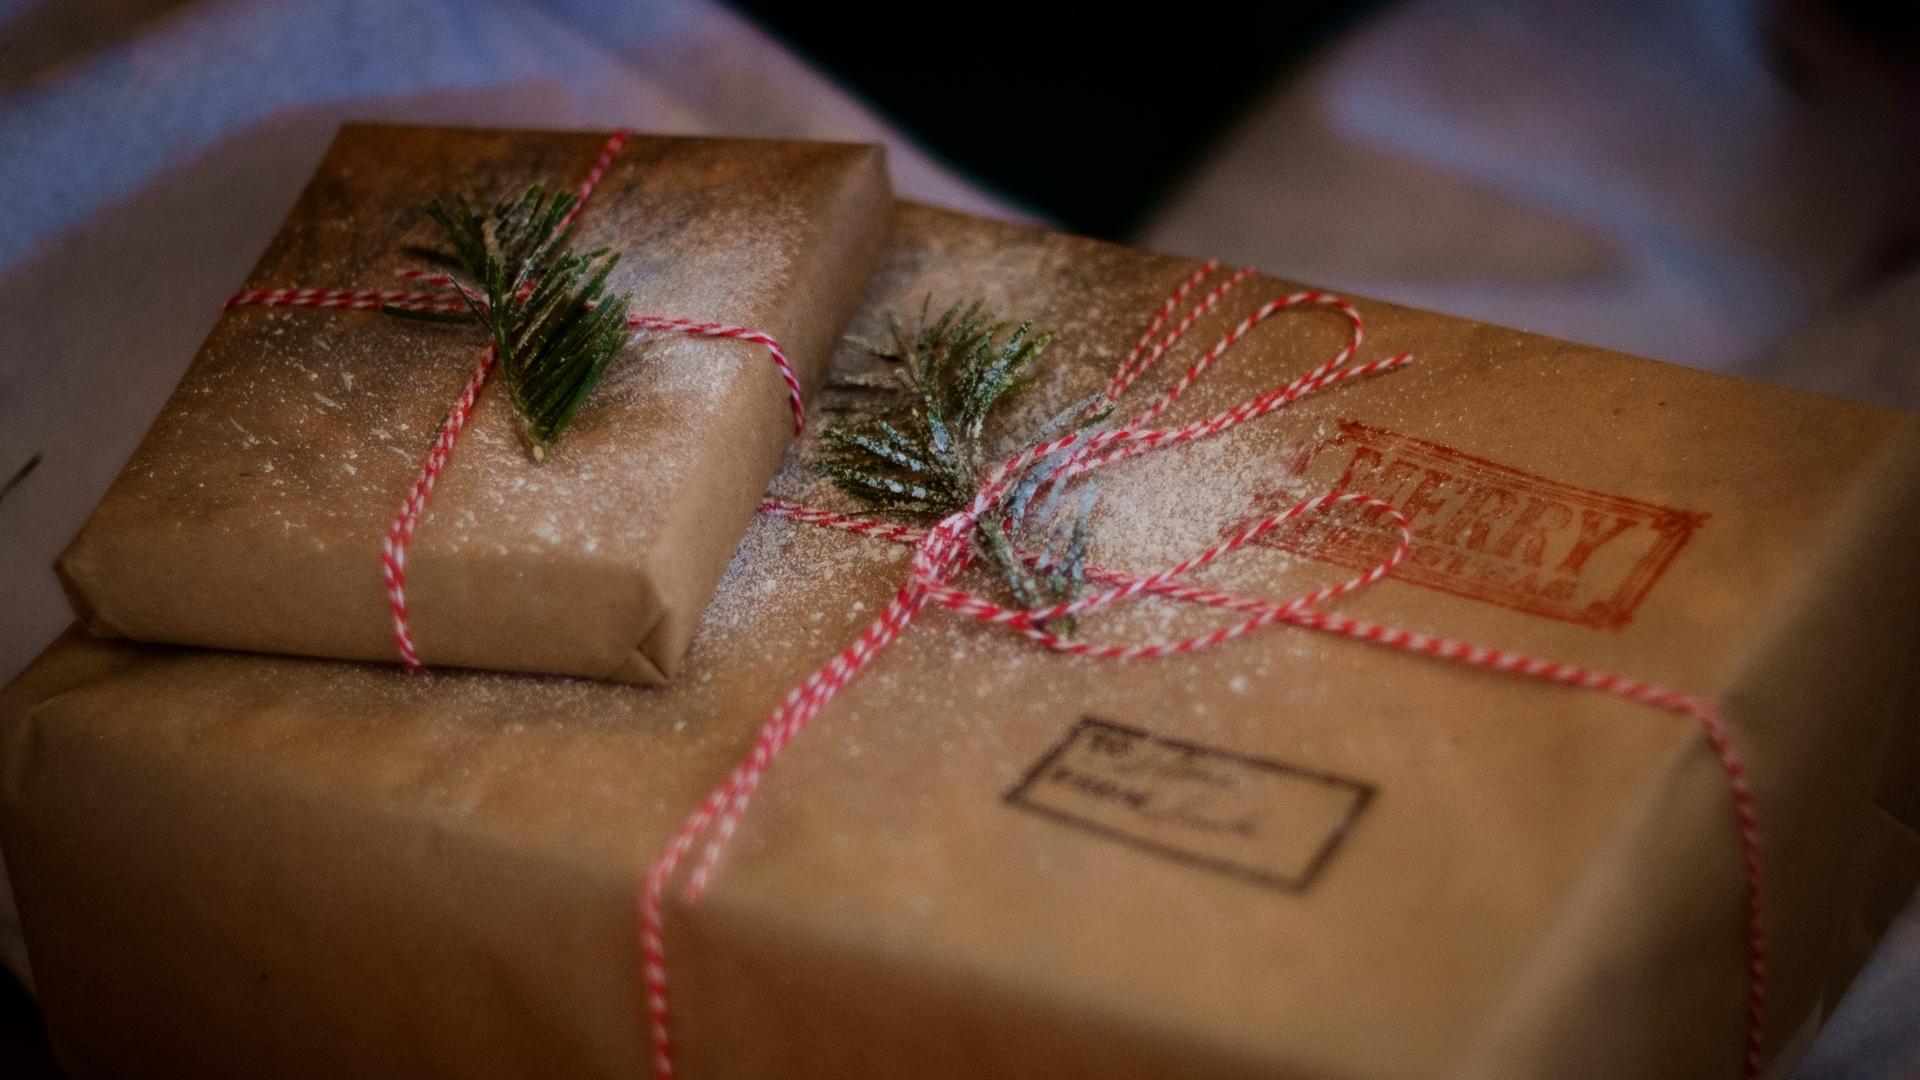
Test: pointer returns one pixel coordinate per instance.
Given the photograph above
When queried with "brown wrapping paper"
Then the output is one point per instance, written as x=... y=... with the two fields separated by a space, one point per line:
x=251 y=516
x=1294 y=857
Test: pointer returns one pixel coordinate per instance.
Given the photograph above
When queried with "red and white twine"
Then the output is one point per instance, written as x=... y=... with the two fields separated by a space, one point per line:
x=942 y=551
x=441 y=293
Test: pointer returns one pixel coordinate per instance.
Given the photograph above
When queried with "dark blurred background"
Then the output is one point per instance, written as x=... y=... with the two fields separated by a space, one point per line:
x=1087 y=116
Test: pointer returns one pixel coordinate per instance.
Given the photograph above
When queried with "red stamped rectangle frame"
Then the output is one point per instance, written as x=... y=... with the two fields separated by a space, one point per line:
x=1659 y=532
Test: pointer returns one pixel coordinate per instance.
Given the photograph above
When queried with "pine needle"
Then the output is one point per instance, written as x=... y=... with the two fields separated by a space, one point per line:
x=554 y=325
x=921 y=450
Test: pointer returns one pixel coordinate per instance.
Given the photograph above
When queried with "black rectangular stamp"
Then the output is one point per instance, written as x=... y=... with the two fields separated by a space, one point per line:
x=1265 y=821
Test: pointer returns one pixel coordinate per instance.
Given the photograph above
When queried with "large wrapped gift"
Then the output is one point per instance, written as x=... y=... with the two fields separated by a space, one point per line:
x=1317 y=850
x=253 y=514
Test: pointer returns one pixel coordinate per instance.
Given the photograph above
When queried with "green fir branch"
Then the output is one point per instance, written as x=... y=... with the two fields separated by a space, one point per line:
x=921 y=449
x=553 y=323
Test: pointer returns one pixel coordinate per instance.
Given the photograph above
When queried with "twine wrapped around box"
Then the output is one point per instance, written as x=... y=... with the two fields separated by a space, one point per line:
x=441 y=293
x=943 y=551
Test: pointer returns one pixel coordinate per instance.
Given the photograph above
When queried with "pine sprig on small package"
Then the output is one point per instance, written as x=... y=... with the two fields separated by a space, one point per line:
x=554 y=325
x=921 y=449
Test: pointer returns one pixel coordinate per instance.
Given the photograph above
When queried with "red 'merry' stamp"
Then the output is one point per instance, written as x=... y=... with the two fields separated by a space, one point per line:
x=1482 y=530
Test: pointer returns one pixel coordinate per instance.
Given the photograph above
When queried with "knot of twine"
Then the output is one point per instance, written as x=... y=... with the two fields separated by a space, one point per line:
x=437 y=292
x=941 y=552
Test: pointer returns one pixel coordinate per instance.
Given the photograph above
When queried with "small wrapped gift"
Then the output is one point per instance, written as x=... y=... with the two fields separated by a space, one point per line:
x=1676 y=624
x=253 y=514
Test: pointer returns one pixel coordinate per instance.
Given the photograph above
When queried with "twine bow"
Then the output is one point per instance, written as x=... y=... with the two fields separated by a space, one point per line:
x=440 y=293
x=941 y=552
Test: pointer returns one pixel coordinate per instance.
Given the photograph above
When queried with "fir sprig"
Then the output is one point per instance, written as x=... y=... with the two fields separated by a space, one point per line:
x=922 y=449
x=554 y=325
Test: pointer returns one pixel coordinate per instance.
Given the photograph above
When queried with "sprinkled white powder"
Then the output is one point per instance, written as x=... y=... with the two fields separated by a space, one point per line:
x=1153 y=511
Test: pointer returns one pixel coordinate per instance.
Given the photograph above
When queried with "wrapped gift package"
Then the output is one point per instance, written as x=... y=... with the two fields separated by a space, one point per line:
x=1296 y=855
x=252 y=514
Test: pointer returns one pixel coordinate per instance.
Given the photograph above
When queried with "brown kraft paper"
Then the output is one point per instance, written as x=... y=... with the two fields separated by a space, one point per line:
x=252 y=514
x=1295 y=856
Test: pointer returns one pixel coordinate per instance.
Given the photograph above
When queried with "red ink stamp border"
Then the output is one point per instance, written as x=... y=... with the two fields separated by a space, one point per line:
x=1613 y=611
